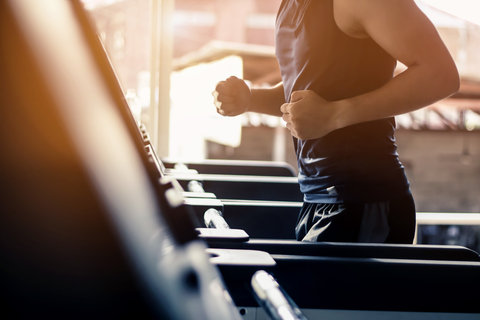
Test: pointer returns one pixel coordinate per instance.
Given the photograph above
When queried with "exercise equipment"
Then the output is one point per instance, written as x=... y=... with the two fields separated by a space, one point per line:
x=233 y=167
x=83 y=234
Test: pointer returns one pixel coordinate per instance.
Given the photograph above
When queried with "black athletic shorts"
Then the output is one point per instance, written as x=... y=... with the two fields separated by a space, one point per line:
x=391 y=221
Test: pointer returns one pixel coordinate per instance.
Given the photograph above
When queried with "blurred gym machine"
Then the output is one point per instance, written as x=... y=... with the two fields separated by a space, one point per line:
x=248 y=214
x=244 y=183
x=235 y=167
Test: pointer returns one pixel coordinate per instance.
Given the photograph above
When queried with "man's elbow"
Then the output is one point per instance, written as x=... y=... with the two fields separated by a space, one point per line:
x=450 y=80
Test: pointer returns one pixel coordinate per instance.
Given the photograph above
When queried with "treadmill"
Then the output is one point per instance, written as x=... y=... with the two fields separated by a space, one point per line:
x=81 y=226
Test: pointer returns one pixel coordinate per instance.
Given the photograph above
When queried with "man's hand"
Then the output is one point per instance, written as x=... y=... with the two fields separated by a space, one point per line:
x=232 y=97
x=308 y=116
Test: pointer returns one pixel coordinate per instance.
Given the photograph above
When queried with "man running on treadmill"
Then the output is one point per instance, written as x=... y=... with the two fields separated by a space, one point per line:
x=338 y=97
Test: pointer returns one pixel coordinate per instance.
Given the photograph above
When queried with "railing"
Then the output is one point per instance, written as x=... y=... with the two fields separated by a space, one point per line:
x=448 y=218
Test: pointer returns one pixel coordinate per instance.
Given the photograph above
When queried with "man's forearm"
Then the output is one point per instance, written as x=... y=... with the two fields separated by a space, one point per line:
x=409 y=91
x=267 y=100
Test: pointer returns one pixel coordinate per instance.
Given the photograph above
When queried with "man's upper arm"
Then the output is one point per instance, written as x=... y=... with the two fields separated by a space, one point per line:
x=398 y=26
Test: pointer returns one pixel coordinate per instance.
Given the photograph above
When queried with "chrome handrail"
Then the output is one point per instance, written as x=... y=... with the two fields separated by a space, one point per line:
x=448 y=218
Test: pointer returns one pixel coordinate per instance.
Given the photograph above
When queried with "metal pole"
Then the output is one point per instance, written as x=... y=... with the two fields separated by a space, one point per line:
x=160 y=69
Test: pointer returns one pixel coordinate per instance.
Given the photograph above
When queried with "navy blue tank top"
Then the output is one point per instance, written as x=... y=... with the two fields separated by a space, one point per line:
x=358 y=162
